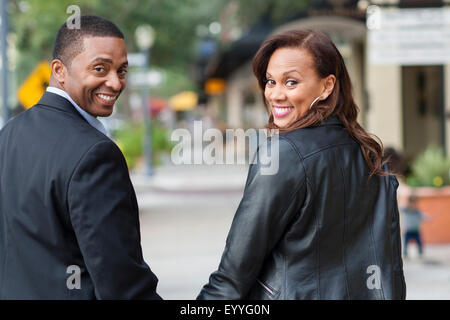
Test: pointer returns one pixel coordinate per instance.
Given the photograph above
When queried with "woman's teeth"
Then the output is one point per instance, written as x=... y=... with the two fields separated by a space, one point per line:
x=281 y=109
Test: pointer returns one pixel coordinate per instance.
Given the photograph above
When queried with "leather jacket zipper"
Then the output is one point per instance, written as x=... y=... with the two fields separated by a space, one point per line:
x=266 y=287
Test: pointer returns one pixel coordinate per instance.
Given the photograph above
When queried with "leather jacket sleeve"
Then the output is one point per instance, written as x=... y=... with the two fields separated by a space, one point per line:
x=269 y=204
x=399 y=277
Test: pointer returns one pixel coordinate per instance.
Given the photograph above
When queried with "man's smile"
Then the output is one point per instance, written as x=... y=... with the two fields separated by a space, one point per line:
x=108 y=99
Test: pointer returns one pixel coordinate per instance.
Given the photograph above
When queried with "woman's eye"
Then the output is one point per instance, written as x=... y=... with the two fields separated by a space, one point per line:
x=291 y=83
x=270 y=82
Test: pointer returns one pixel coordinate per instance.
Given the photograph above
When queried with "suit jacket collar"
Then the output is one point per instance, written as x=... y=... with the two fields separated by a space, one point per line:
x=55 y=101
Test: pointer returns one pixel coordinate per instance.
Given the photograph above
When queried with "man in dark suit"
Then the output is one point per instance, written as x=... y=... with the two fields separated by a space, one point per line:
x=69 y=225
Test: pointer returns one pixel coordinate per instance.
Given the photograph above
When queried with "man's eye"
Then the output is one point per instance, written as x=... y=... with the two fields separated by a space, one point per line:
x=123 y=71
x=99 y=69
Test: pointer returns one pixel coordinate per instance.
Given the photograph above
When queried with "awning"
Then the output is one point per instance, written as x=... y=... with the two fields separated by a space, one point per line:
x=183 y=101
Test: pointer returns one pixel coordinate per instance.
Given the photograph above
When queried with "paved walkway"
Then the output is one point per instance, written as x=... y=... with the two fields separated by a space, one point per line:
x=186 y=212
x=428 y=278
x=193 y=178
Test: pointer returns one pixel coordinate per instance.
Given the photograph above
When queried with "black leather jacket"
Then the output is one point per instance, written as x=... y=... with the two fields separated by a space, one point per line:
x=318 y=229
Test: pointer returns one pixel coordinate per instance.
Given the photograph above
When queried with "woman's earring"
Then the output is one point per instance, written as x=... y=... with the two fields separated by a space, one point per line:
x=314 y=101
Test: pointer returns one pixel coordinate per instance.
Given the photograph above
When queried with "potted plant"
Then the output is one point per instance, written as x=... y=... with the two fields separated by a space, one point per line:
x=429 y=180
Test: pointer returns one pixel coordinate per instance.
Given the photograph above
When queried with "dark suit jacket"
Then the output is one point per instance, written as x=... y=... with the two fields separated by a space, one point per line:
x=66 y=199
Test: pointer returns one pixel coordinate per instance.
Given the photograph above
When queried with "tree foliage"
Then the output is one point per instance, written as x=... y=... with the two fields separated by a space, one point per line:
x=278 y=10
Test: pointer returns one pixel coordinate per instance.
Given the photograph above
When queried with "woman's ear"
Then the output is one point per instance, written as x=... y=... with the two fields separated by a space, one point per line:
x=59 y=71
x=328 y=84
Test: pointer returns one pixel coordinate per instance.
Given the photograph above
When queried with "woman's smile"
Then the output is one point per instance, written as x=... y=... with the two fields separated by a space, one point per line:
x=281 y=111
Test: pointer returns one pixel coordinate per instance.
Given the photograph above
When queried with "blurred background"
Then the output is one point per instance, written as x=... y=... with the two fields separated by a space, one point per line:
x=190 y=60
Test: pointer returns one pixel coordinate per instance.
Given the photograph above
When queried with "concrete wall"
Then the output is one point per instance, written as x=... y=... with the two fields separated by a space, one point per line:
x=384 y=114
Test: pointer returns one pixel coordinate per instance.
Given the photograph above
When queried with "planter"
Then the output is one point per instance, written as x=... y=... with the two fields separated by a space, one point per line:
x=435 y=203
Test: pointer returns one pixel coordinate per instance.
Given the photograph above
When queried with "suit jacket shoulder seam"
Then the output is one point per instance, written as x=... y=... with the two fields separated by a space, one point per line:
x=45 y=106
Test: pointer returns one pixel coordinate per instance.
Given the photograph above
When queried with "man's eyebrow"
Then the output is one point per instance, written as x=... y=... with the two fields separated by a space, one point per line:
x=101 y=60
x=106 y=60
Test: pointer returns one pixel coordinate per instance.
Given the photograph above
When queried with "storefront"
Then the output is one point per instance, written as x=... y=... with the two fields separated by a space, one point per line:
x=407 y=76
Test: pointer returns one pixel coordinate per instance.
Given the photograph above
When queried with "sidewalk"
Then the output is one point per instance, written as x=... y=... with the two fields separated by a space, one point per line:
x=428 y=278
x=192 y=178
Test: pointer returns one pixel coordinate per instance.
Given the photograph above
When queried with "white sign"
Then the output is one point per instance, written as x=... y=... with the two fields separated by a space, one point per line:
x=136 y=59
x=150 y=78
x=408 y=36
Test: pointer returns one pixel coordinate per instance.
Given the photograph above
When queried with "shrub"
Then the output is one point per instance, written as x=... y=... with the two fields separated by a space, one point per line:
x=130 y=141
x=430 y=169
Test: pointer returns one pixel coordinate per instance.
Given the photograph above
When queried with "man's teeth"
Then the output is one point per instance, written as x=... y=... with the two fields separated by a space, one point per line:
x=109 y=98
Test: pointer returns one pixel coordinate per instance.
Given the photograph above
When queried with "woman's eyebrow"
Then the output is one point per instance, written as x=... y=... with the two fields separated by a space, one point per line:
x=284 y=73
x=293 y=70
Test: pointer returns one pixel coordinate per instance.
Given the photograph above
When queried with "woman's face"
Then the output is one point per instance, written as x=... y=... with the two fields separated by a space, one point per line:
x=292 y=84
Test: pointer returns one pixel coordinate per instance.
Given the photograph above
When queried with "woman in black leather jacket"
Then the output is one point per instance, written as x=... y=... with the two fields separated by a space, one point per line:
x=326 y=225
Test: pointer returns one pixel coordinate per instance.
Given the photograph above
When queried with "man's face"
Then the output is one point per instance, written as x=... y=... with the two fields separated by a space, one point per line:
x=96 y=77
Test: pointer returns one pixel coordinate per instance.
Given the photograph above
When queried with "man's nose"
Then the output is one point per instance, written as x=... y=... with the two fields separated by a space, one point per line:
x=114 y=82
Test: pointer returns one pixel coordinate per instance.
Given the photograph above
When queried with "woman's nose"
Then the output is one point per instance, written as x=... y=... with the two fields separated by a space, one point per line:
x=277 y=93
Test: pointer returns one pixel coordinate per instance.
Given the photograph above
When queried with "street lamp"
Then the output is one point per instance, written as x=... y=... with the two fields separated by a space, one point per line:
x=145 y=37
x=3 y=35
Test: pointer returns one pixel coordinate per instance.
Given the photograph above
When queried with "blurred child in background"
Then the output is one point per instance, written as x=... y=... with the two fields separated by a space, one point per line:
x=412 y=219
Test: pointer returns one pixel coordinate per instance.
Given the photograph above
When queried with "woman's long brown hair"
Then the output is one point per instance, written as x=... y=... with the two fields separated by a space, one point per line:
x=340 y=102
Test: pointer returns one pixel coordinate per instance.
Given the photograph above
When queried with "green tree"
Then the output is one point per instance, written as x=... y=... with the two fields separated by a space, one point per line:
x=250 y=10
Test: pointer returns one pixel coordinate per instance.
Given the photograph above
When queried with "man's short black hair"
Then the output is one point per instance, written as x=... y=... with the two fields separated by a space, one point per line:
x=69 y=42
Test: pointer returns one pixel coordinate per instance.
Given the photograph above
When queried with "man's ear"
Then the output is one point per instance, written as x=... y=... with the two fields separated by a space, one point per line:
x=328 y=84
x=59 y=71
